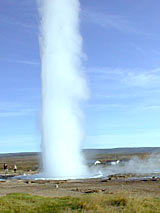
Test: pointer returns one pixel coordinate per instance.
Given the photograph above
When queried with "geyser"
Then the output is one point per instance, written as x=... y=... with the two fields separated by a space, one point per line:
x=63 y=88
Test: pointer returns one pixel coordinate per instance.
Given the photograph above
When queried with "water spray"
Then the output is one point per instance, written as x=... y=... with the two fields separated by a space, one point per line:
x=63 y=88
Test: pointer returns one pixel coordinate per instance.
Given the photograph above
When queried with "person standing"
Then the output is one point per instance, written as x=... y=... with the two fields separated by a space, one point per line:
x=5 y=168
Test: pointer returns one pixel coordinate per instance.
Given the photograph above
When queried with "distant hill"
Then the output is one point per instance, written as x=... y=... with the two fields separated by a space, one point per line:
x=124 y=150
x=20 y=154
x=92 y=152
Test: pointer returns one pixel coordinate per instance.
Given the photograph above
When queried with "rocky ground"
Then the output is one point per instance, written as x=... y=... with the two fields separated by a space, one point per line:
x=52 y=188
x=29 y=164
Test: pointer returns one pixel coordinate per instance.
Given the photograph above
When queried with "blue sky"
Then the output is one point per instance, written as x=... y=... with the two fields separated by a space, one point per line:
x=122 y=62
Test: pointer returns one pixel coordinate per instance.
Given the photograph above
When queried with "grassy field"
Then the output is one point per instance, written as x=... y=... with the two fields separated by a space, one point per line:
x=87 y=203
x=24 y=162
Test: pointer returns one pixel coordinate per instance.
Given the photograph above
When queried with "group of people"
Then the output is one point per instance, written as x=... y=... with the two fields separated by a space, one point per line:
x=5 y=166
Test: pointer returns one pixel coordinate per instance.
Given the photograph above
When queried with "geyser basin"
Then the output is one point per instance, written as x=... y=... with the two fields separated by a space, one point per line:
x=134 y=169
x=43 y=177
x=63 y=88
x=101 y=173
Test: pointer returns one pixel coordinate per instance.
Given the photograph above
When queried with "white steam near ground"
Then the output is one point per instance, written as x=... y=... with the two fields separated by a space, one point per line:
x=63 y=88
x=137 y=166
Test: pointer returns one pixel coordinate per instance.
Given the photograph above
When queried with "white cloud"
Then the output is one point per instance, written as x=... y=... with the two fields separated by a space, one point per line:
x=130 y=90
x=143 y=78
x=100 y=106
x=151 y=107
x=20 y=61
x=8 y=109
x=128 y=77
x=107 y=21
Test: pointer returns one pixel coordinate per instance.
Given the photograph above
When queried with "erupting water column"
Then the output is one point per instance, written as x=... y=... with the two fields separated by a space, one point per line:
x=63 y=88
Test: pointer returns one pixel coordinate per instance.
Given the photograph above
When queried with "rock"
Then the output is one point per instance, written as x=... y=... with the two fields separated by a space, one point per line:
x=28 y=181
x=89 y=191
x=154 y=178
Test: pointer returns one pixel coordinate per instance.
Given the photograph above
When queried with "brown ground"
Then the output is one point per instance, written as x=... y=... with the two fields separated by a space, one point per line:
x=79 y=187
x=30 y=163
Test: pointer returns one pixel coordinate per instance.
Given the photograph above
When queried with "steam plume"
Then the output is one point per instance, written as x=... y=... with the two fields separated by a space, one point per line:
x=63 y=88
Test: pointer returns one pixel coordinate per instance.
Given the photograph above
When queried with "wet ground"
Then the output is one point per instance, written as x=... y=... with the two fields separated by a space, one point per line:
x=118 y=183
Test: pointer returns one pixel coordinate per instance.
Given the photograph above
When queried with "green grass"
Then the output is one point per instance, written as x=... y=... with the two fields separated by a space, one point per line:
x=87 y=203
x=28 y=203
